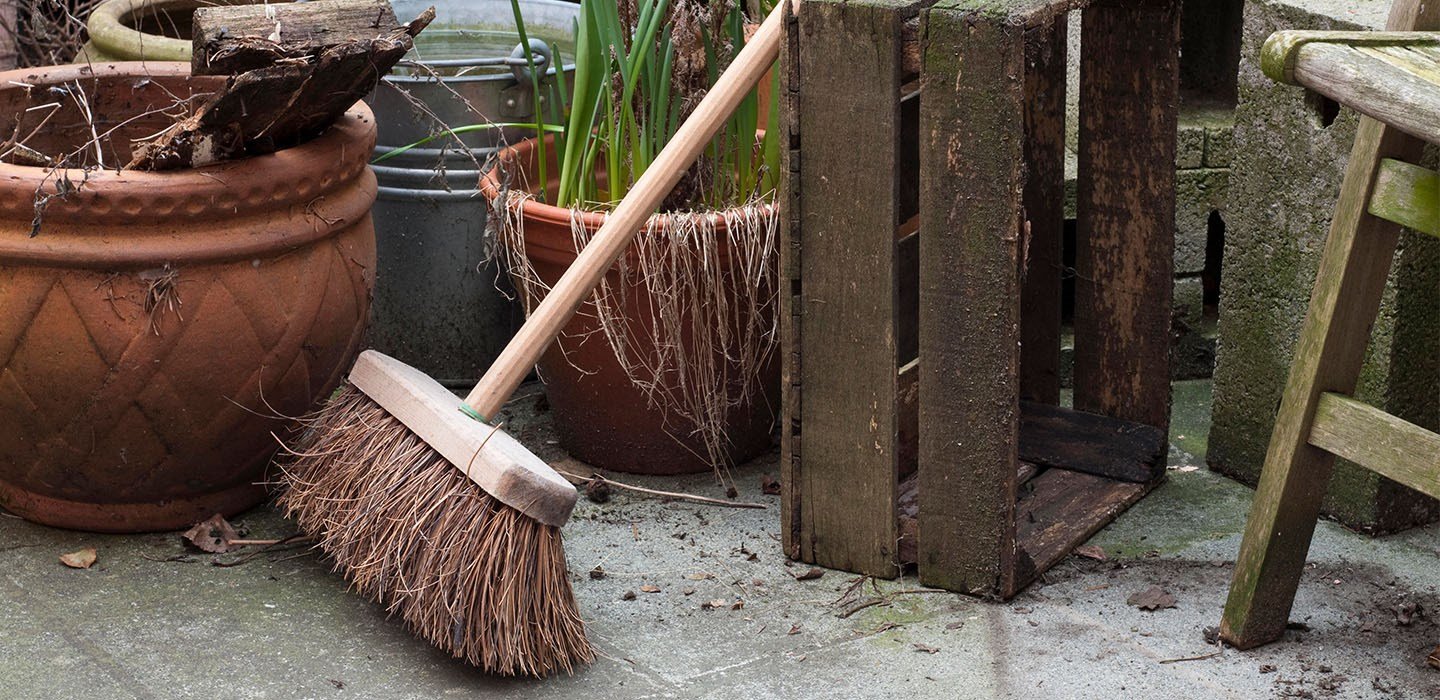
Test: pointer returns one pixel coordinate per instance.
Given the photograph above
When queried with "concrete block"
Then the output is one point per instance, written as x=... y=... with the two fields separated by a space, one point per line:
x=1286 y=171
x=1219 y=145
x=1189 y=147
x=1197 y=193
x=1193 y=353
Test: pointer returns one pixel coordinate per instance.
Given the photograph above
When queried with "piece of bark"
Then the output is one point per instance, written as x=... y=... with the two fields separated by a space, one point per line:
x=267 y=109
x=230 y=40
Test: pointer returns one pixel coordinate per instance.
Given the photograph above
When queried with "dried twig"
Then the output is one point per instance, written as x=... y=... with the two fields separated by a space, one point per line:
x=585 y=480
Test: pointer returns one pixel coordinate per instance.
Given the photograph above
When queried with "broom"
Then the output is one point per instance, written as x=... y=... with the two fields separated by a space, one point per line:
x=447 y=521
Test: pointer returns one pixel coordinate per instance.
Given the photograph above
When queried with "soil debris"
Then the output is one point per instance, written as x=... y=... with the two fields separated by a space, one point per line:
x=629 y=595
x=598 y=490
x=597 y=573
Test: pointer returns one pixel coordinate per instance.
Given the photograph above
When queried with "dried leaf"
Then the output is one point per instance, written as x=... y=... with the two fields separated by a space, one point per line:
x=687 y=591
x=926 y=648
x=813 y=573
x=1152 y=598
x=82 y=559
x=955 y=625
x=628 y=595
x=1090 y=551
x=713 y=604
x=1433 y=660
x=794 y=629
x=737 y=605
x=769 y=485
x=699 y=576
x=649 y=588
x=214 y=535
x=885 y=627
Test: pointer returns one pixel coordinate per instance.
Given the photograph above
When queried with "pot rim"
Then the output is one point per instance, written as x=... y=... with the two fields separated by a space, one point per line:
x=531 y=208
x=232 y=196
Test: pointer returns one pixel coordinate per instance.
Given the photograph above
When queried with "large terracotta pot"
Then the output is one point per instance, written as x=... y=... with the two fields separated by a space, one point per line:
x=157 y=321
x=600 y=415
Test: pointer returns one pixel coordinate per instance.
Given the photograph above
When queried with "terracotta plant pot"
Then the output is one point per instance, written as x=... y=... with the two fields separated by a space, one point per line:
x=156 y=320
x=600 y=415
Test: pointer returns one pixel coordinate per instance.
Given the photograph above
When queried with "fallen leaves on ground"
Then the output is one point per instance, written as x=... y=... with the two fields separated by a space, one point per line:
x=82 y=559
x=649 y=588
x=628 y=595
x=813 y=573
x=926 y=648
x=215 y=535
x=597 y=573
x=1090 y=551
x=700 y=576
x=1152 y=598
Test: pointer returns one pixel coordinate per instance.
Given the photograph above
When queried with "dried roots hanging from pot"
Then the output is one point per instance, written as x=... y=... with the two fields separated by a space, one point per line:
x=708 y=279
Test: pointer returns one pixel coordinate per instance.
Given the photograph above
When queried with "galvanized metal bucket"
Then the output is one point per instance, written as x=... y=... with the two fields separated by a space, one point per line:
x=442 y=304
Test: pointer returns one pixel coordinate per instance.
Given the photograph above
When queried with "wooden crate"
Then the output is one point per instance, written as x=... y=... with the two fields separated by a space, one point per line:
x=922 y=244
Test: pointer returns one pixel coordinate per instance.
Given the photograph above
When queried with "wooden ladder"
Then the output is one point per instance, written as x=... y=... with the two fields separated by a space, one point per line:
x=1393 y=79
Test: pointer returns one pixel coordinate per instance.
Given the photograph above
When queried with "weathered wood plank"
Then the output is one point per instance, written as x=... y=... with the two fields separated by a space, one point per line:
x=1349 y=286
x=972 y=172
x=233 y=39
x=1378 y=441
x=1117 y=449
x=1408 y=195
x=1129 y=68
x=1062 y=510
x=1051 y=436
x=847 y=305
x=909 y=510
x=1372 y=86
x=1044 y=212
x=791 y=392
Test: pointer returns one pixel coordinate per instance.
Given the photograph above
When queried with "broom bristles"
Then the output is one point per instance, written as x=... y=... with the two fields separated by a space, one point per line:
x=466 y=572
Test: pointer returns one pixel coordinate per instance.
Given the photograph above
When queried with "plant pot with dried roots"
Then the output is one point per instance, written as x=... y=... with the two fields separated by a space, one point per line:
x=158 y=324
x=669 y=367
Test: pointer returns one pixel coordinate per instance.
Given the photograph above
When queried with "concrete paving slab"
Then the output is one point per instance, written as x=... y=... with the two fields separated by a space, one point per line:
x=153 y=620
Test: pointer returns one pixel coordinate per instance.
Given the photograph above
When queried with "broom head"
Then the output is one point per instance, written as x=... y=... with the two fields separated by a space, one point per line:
x=447 y=522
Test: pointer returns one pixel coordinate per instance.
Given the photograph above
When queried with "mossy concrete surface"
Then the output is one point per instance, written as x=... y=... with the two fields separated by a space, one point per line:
x=154 y=620
x=1287 y=167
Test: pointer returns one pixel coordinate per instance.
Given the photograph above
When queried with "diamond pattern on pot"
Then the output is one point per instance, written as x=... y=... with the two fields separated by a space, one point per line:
x=107 y=405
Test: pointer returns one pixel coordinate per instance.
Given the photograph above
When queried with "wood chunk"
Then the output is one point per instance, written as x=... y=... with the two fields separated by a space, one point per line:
x=1094 y=444
x=230 y=40
x=267 y=109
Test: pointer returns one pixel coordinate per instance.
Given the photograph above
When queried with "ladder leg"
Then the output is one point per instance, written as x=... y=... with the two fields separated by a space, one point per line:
x=1328 y=357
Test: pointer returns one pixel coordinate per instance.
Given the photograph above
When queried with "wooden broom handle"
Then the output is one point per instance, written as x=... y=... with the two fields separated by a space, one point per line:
x=524 y=350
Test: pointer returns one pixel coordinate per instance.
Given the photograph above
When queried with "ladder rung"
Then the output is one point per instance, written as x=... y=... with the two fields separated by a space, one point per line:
x=1378 y=441
x=1408 y=195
